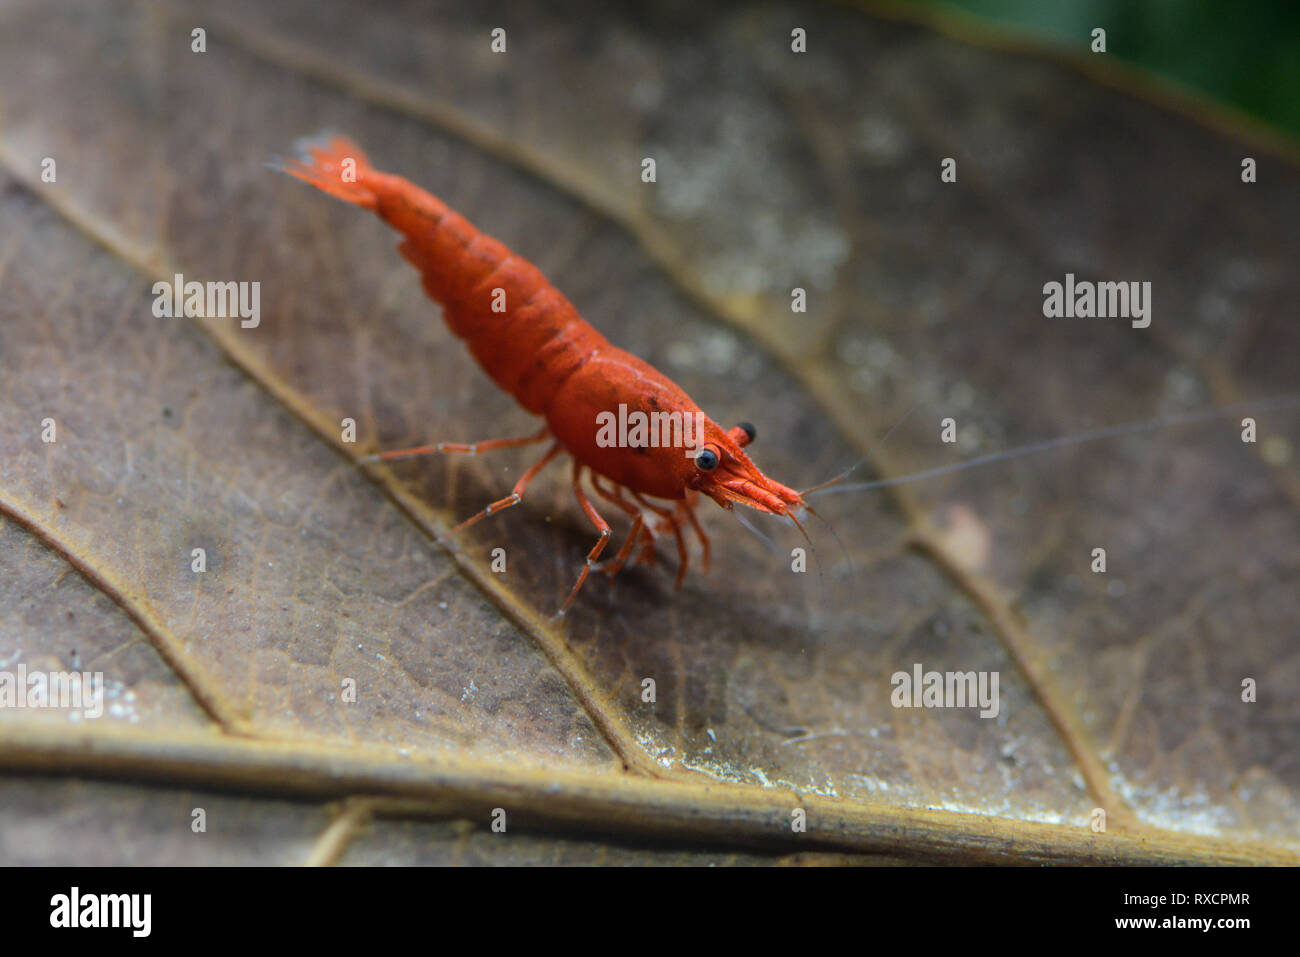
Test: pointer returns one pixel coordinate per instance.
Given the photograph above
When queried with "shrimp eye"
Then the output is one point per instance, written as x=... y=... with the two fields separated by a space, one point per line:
x=706 y=460
x=748 y=430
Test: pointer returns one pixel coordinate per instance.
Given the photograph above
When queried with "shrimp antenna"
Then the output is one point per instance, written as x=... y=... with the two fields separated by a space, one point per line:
x=811 y=547
x=853 y=571
x=757 y=532
x=821 y=577
x=845 y=474
x=1091 y=435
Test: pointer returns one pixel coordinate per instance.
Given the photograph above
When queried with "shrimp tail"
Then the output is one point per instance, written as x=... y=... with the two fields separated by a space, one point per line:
x=333 y=164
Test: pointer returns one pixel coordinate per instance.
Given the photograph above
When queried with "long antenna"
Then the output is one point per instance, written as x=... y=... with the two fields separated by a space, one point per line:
x=1091 y=435
x=845 y=474
x=758 y=533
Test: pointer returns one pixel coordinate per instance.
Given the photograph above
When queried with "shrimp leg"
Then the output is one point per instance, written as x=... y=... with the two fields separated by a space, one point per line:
x=516 y=496
x=688 y=507
x=614 y=495
x=464 y=448
x=670 y=523
x=601 y=525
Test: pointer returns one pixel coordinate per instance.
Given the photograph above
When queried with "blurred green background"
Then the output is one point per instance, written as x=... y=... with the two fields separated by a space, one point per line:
x=1244 y=54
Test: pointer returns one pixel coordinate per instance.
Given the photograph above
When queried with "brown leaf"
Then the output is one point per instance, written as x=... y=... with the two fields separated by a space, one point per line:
x=775 y=170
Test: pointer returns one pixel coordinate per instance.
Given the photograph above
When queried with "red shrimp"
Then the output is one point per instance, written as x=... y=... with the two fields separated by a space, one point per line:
x=556 y=365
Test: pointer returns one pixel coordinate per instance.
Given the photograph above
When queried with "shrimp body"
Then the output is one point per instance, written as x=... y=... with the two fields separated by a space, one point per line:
x=533 y=343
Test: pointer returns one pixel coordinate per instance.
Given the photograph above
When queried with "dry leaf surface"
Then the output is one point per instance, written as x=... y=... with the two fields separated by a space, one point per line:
x=1119 y=691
